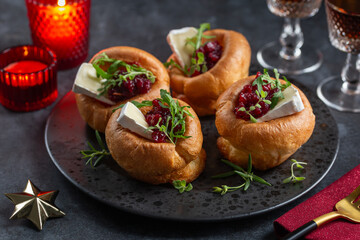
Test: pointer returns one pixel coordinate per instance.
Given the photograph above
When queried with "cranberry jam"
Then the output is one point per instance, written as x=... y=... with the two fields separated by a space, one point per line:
x=153 y=117
x=249 y=98
x=212 y=52
x=139 y=85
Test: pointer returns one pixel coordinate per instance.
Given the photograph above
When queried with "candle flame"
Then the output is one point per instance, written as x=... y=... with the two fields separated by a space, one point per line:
x=26 y=51
x=61 y=3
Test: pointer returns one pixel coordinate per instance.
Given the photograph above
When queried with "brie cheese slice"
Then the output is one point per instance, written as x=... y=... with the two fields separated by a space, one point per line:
x=289 y=105
x=87 y=83
x=177 y=41
x=133 y=119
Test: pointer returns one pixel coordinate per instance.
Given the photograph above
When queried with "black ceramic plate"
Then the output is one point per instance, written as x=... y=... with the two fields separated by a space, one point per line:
x=66 y=134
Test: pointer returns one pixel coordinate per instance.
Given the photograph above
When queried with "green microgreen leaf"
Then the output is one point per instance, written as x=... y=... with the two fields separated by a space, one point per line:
x=267 y=101
x=182 y=186
x=263 y=94
x=248 y=176
x=293 y=178
x=287 y=180
x=252 y=119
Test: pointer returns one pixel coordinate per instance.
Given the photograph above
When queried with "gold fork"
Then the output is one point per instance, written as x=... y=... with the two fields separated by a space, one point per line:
x=346 y=208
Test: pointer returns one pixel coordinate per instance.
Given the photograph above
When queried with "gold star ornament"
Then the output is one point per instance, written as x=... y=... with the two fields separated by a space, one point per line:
x=35 y=205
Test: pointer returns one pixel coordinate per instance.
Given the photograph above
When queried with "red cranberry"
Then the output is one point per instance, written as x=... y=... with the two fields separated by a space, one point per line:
x=242 y=98
x=247 y=89
x=201 y=49
x=196 y=73
x=241 y=104
x=248 y=97
x=153 y=119
x=210 y=46
x=271 y=93
x=156 y=103
x=177 y=128
x=212 y=53
x=266 y=87
x=129 y=85
x=264 y=107
x=165 y=112
x=115 y=95
x=254 y=98
x=158 y=136
x=142 y=84
x=214 y=57
x=256 y=113
x=258 y=74
x=241 y=114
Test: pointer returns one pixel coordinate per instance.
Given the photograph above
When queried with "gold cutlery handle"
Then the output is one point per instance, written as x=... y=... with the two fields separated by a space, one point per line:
x=326 y=218
x=312 y=225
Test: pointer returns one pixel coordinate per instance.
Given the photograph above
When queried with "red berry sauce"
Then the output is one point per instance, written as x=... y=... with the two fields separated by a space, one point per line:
x=139 y=85
x=152 y=118
x=212 y=52
x=248 y=97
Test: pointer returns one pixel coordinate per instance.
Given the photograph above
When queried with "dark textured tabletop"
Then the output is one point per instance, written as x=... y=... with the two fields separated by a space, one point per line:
x=145 y=24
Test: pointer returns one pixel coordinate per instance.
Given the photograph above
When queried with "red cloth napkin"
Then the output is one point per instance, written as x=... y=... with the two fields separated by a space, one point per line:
x=319 y=204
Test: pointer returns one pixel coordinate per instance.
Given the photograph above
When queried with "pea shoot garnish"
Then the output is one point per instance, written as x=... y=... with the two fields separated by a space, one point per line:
x=248 y=176
x=293 y=178
x=117 y=73
x=95 y=156
x=182 y=186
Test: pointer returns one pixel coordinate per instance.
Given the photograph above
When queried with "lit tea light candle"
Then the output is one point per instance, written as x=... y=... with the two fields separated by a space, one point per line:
x=27 y=78
x=62 y=26
x=25 y=66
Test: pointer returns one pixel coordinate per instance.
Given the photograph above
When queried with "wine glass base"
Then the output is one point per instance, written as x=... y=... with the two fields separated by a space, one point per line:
x=309 y=60
x=329 y=91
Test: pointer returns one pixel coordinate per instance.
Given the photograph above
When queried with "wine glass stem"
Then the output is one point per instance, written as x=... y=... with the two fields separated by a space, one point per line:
x=351 y=74
x=291 y=39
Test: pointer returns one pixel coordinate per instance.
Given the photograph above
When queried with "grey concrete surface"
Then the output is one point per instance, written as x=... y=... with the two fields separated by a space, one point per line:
x=144 y=24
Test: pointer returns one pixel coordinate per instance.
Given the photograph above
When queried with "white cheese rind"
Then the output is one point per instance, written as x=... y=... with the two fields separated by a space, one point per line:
x=177 y=41
x=88 y=84
x=291 y=104
x=133 y=119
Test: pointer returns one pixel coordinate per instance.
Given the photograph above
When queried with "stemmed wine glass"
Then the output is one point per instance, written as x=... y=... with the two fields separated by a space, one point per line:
x=343 y=92
x=290 y=55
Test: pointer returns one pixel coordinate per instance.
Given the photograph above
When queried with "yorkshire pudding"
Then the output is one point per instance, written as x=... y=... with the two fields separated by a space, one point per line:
x=269 y=143
x=153 y=162
x=96 y=113
x=202 y=91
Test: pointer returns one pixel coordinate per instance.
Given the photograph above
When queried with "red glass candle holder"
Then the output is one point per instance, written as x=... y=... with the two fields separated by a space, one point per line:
x=27 y=78
x=62 y=26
